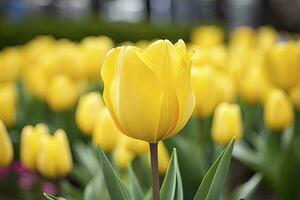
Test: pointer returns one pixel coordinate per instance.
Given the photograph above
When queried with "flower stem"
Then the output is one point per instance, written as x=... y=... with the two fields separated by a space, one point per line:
x=154 y=169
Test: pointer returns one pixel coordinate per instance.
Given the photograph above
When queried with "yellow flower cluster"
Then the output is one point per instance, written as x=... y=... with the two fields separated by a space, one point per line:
x=93 y=118
x=48 y=154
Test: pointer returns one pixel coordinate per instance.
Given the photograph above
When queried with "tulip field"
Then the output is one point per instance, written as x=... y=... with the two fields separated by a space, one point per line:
x=216 y=117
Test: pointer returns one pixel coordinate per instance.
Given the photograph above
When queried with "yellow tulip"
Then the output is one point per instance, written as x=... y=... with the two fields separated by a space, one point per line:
x=215 y=56
x=278 y=111
x=8 y=103
x=54 y=158
x=105 y=132
x=226 y=88
x=242 y=37
x=31 y=138
x=10 y=62
x=87 y=111
x=294 y=94
x=94 y=50
x=6 y=148
x=227 y=123
x=207 y=36
x=62 y=93
x=283 y=64
x=149 y=92
x=122 y=156
x=204 y=82
x=266 y=37
x=163 y=158
x=252 y=84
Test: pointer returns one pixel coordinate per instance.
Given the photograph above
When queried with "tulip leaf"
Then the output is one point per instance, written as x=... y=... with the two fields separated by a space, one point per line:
x=213 y=182
x=172 y=184
x=95 y=189
x=51 y=197
x=246 y=190
x=135 y=190
x=115 y=187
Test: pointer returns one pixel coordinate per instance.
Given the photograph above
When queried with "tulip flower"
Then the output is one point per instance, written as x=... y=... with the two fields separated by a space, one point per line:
x=242 y=37
x=105 y=132
x=8 y=103
x=149 y=92
x=54 y=158
x=30 y=147
x=226 y=88
x=207 y=36
x=227 y=123
x=6 y=148
x=10 y=62
x=87 y=111
x=283 y=64
x=138 y=147
x=122 y=156
x=62 y=93
x=93 y=51
x=204 y=82
x=278 y=111
x=266 y=37
x=294 y=94
x=163 y=158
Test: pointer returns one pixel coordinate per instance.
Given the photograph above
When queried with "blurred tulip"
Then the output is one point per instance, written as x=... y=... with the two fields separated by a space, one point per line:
x=54 y=158
x=105 y=132
x=149 y=92
x=207 y=36
x=278 y=111
x=87 y=111
x=10 y=63
x=122 y=156
x=163 y=158
x=294 y=94
x=204 y=83
x=266 y=37
x=62 y=93
x=6 y=148
x=8 y=103
x=242 y=37
x=93 y=52
x=30 y=146
x=227 y=123
x=215 y=56
x=138 y=147
x=226 y=88
x=283 y=64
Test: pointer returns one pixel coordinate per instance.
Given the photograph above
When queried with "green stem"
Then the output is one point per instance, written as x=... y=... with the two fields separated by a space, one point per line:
x=154 y=170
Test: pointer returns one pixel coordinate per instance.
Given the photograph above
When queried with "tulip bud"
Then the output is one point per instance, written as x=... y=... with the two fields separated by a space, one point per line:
x=163 y=70
x=87 y=111
x=163 y=158
x=31 y=138
x=283 y=64
x=204 y=83
x=266 y=37
x=6 y=148
x=278 y=111
x=105 y=132
x=62 y=93
x=207 y=36
x=8 y=103
x=54 y=158
x=227 y=123
x=137 y=147
x=122 y=156
x=294 y=94
x=242 y=37
x=10 y=62
x=93 y=52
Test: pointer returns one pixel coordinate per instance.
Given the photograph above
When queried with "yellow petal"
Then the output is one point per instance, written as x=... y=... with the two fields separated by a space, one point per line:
x=6 y=148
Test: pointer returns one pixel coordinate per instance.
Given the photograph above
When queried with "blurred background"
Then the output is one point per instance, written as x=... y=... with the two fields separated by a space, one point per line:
x=132 y=19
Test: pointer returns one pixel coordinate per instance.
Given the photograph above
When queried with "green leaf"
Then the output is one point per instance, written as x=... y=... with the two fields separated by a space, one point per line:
x=246 y=190
x=179 y=188
x=247 y=156
x=167 y=191
x=213 y=182
x=95 y=189
x=135 y=190
x=51 y=197
x=69 y=191
x=113 y=183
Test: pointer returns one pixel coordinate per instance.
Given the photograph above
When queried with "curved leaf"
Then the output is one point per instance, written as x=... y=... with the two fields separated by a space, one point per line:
x=135 y=190
x=95 y=188
x=113 y=183
x=212 y=184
